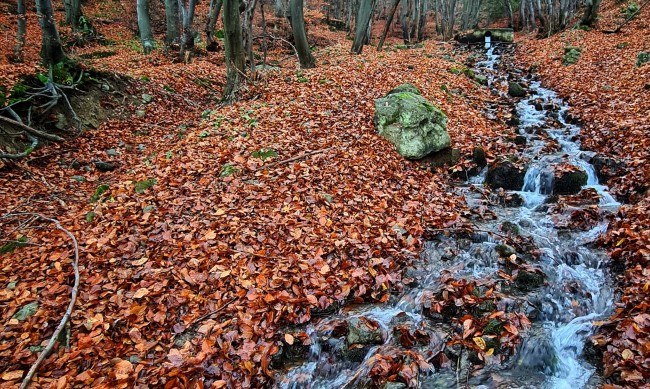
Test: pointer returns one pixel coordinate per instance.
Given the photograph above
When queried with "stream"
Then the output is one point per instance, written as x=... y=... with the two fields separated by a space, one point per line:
x=553 y=276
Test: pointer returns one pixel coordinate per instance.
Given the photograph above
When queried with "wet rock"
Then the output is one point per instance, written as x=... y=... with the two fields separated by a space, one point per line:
x=538 y=104
x=409 y=121
x=364 y=331
x=112 y=153
x=607 y=167
x=513 y=200
x=510 y=228
x=448 y=156
x=528 y=280
x=569 y=183
x=481 y=79
x=520 y=140
x=571 y=118
x=504 y=250
x=537 y=353
x=394 y=385
x=479 y=157
x=516 y=90
x=504 y=174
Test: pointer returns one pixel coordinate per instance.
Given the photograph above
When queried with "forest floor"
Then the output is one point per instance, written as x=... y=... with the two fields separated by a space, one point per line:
x=274 y=208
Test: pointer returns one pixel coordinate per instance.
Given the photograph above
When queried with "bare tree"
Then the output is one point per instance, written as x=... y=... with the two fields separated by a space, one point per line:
x=144 y=25
x=300 y=35
x=447 y=18
x=234 y=50
x=363 y=22
x=187 y=19
x=51 y=49
x=591 y=12
x=247 y=29
x=211 y=23
x=22 y=32
x=389 y=21
x=172 y=34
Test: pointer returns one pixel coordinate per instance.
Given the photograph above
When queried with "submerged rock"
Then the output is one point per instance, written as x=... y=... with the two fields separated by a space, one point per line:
x=364 y=331
x=410 y=122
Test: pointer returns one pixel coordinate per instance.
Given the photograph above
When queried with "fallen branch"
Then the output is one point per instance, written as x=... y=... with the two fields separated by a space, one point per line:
x=297 y=157
x=31 y=130
x=73 y=298
x=617 y=29
x=203 y=317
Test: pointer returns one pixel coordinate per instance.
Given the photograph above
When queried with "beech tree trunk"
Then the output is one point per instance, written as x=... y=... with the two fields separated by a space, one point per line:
x=144 y=25
x=591 y=12
x=247 y=29
x=210 y=25
x=389 y=21
x=72 y=12
x=22 y=32
x=363 y=22
x=305 y=57
x=234 y=49
x=187 y=20
x=172 y=34
x=51 y=49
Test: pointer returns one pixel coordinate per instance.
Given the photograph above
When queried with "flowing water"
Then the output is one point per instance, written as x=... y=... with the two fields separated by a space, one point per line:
x=576 y=289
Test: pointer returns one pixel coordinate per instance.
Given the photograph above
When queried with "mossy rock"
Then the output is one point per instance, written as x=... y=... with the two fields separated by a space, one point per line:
x=410 y=122
x=570 y=182
x=516 y=90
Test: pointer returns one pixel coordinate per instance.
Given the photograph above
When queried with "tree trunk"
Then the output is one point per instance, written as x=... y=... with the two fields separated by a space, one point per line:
x=389 y=21
x=363 y=21
x=234 y=49
x=144 y=25
x=72 y=12
x=422 y=20
x=187 y=20
x=591 y=12
x=22 y=32
x=509 y=13
x=210 y=25
x=51 y=49
x=404 y=18
x=247 y=30
x=305 y=57
x=172 y=34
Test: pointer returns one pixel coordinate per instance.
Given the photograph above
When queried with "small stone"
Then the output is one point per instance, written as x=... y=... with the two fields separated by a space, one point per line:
x=112 y=153
x=106 y=87
x=105 y=166
x=79 y=178
x=516 y=90
x=147 y=98
x=364 y=331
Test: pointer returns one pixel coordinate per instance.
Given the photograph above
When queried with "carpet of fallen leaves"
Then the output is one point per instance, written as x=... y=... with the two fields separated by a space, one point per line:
x=263 y=212
x=611 y=96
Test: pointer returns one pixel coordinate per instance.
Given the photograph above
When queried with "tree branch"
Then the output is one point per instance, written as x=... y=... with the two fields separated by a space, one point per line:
x=73 y=298
x=31 y=130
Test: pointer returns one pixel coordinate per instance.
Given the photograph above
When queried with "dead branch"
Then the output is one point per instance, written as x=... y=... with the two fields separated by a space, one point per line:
x=73 y=296
x=214 y=312
x=31 y=130
x=297 y=157
x=618 y=28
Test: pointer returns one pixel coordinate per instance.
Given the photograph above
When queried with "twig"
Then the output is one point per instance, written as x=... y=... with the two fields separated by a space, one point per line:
x=297 y=157
x=73 y=297
x=31 y=130
x=617 y=29
x=203 y=317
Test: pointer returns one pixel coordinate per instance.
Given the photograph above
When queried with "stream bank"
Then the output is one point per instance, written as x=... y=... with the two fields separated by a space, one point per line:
x=509 y=304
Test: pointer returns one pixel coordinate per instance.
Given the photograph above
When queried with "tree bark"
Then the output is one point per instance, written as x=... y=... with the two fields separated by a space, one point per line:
x=363 y=21
x=389 y=21
x=72 y=12
x=22 y=32
x=422 y=20
x=234 y=50
x=210 y=25
x=305 y=57
x=187 y=20
x=172 y=34
x=509 y=13
x=51 y=49
x=144 y=25
x=591 y=12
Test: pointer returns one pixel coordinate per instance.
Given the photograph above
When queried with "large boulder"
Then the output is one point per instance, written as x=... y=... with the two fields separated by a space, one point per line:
x=516 y=90
x=569 y=182
x=410 y=122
